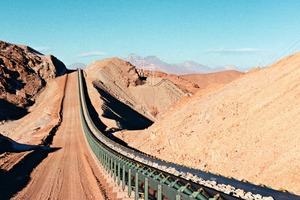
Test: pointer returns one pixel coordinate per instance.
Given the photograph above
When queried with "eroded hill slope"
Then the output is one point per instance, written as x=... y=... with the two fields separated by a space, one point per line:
x=23 y=73
x=120 y=81
x=248 y=129
x=213 y=79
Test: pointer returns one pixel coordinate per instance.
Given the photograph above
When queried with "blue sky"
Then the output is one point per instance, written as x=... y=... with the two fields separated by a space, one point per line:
x=233 y=33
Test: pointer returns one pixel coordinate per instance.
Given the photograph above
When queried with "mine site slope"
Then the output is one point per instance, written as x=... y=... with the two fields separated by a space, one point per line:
x=150 y=93
x=37 y=161
x=125 y=85
x=23 y=74
x=247 y=129
x=31 y=92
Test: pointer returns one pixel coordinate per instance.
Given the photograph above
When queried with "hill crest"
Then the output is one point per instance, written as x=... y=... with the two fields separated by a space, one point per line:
x=247 y=129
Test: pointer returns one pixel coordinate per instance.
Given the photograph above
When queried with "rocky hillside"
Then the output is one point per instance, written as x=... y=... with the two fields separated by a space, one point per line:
x=183 y=84
x=150 y=93
x=133 y=95
x=23 y=73
x=247 y=129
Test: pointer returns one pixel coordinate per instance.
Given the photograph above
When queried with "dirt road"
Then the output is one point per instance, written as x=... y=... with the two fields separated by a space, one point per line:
x=70 y=172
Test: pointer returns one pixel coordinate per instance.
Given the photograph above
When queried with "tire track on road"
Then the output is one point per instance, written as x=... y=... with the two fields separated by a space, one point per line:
x=65 y=174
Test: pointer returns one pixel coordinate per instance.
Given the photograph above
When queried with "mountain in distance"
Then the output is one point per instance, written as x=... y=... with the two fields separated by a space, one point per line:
x=155 y=63
x=196 y=67
x=76 y=65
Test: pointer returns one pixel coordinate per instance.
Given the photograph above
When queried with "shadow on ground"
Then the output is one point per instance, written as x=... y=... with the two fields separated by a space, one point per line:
x=18 y=177
x=126 y=116
x=9 y=111
x=93 y=113
x=9 y=145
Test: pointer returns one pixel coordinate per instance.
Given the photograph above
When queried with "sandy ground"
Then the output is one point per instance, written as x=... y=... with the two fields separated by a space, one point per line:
x=68 y=173
x=247 y=129
x=42 y=115
x=35 y=126
x=216 y=79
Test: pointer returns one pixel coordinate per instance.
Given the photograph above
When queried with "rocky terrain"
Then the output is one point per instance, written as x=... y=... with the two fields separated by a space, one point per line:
x=242 y=125
x=247 y=129
x=23 y=73
x=30 y=100
x=38 y=150
x=132 y=94
x=149 y=93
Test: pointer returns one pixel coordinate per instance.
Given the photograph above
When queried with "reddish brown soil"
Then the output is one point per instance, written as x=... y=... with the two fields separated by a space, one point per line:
x=35 y=126
x=247 y=129
x=23 y=73
x=150 y=97
x=184 y=84
x=69 y=165
x=213 y=79
x=68 y=173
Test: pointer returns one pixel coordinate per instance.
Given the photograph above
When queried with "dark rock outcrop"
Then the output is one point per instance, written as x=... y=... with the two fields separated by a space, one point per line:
x=23 y=73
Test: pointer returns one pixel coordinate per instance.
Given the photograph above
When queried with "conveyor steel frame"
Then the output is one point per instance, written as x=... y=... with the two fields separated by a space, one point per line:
x=110 y=159
x=124 y=170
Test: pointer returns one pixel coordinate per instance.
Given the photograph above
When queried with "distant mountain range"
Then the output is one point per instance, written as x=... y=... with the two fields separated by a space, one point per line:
x=153 y=62
x=76 y=65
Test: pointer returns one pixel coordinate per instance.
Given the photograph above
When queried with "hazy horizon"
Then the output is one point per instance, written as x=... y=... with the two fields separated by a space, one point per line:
x=239 y=34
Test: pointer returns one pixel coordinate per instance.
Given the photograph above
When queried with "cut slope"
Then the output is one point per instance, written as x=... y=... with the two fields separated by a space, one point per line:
x=23 y=73
x=35 y=127
x=185 y=85
x=248 y=129
x=121 y=80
